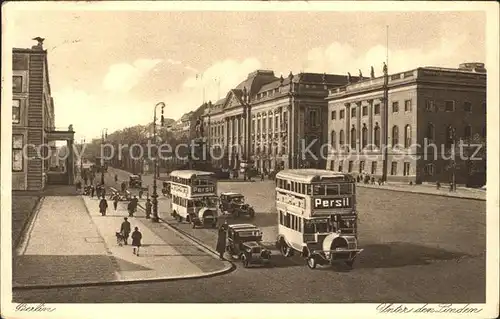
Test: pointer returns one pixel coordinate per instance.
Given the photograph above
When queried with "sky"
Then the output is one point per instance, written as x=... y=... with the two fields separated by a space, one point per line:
x=109 y=69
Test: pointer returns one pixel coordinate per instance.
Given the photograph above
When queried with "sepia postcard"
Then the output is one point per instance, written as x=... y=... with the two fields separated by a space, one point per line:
x=250 y=159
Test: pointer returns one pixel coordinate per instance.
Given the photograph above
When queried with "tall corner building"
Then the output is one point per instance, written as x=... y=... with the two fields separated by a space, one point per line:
x=33 y=124
x=401 y=127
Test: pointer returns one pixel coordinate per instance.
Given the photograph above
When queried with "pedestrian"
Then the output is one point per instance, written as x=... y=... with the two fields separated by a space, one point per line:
x=124 y=186
x=130 y=208
x=103 y=206
x=140 y=193
x=116 y=178
x=92 y=191
x=103 y=190
x=125 y=230
x=262 y=176
x=148 y=208
x=438 y=185
x=135 y=202
x=221 y=240
x=116 y=198
x=136 y=240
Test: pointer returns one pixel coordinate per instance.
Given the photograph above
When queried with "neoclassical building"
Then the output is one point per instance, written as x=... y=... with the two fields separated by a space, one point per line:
x=428 y=105
x=268 y=120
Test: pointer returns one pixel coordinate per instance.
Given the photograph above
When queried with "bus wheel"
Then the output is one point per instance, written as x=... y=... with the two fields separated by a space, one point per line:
x=286 y=250
x=180 y=219
x=311 y=262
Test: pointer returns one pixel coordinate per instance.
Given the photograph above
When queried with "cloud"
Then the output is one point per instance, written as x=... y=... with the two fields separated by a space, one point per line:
x=342 y=58
x=124 y=76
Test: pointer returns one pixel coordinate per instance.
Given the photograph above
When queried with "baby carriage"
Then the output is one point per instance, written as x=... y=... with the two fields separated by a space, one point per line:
x=86 y=190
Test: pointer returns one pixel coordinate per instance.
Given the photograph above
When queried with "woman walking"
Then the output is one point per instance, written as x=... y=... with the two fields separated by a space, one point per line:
x=136 y=240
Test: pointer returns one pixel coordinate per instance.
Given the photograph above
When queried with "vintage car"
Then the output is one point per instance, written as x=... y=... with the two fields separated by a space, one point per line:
x=205 y=213
x=234 y=204
x=135 y=181
x=244 y=241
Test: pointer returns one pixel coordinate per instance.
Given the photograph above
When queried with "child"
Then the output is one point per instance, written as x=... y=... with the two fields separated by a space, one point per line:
x=136 y=240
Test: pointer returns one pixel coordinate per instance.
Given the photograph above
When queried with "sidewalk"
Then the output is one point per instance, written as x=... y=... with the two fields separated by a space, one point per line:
x=461 y=192
x=69 y=245
x=164 y=254
x=61 y=246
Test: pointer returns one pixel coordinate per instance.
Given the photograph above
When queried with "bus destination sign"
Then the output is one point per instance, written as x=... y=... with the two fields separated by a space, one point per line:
x=203 y=189
x=332 y=203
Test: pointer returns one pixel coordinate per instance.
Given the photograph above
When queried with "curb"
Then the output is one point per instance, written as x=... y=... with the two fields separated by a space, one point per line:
x=227 y=269
x=27 y=224
x=422 y=193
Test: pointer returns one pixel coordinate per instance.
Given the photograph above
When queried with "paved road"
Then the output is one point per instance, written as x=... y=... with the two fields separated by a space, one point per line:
x=418 y=248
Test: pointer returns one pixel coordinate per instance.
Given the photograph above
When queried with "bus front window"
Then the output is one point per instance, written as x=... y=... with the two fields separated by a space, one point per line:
x=309 y=228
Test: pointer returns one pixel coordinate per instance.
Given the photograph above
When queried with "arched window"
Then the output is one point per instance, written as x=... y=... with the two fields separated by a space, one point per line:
x=395 y=135
x=364 y=136
x=376 y=135
x=353 y=138
x=430 y=132
x=333 y=140
x=341 y=138
x=407 y=136
x=467 y=132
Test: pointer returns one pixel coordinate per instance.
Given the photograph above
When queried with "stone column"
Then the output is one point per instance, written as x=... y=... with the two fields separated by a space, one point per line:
x=370 y=122
x=347 y=124
x=358 y=124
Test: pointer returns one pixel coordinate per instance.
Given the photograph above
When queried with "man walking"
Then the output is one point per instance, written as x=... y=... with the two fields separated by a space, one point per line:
x=130 y=208
x=148 y=208
x=136 y=240
x=125 y=230
x=103 y=206
x=92 y=191
x=116 y=198
x=221 y=240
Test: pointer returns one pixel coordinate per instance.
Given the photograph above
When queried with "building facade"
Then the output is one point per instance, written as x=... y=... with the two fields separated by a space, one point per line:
x=269 y=121
x=381 y=126
x=33 y=122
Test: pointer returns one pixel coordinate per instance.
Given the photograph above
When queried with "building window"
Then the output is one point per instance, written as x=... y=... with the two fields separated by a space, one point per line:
x=430 y=132
x=263 y=124
x=353 y=112
x=406 y=169
x=258 y=126
x=16 y=111
x=270 y=123
x=429 y=106
x=342 y=114
x=467 y=107
x=333 y=140
x=395 y=107
x=334 y=115
x=407 y=136
x=376 y=110
x=341 y=138
x=365 y=110
x=394 y=168
x=341 y=167
x=408 y=106
x=276 y=123
x=395 y=136
x=376 y=135
x=17 y=153
x=450 y=135
x=449 y=106
x=429 y=169
x=364 y=136
x=467 y=132
x=313 y=118
x=17 y=84
x=350 y=166
x=332 y=165
x=361 y=166
x=353 y=138
x=374 y=167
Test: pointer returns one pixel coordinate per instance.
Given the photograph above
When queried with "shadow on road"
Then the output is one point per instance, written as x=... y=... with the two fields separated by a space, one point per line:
x=398 y=254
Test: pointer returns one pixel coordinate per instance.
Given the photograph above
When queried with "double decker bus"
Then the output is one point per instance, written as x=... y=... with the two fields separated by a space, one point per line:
x=317 y=216
x=194 y=197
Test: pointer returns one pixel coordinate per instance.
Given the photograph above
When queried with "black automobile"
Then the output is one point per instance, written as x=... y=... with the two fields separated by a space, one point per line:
x=244 y=241
x=135 y=181
x=234 y=204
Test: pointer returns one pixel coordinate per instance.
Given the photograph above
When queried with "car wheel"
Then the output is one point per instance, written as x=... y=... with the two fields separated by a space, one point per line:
x=311 y=262
x=244 y=260
x=350 y=263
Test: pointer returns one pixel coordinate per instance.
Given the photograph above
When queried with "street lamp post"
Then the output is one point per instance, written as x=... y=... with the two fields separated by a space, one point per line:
x=156 y=218
x=104 y=135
